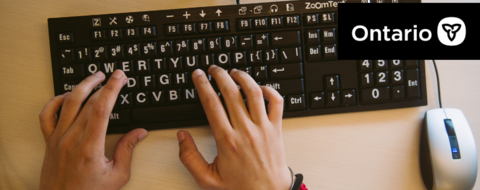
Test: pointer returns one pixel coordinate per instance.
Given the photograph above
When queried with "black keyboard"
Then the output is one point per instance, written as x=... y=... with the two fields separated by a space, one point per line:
x=290 y=46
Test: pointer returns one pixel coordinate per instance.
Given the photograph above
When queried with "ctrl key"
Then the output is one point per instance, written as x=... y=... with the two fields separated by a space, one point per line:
x=119 y=117
x=295 y=102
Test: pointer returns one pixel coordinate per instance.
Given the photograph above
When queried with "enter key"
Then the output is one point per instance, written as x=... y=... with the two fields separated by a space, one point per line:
x=286 y=71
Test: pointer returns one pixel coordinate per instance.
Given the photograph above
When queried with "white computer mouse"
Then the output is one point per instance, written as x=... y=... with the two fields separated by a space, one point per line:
x=448 y=155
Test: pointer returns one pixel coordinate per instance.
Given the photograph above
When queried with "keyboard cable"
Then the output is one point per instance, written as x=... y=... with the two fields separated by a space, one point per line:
x=238 y=2
x=438 y=84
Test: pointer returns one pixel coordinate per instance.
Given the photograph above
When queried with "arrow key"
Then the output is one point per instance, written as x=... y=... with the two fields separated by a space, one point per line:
x=317 y=100
x=332 y=82
x=348 y=98
x=333 y=99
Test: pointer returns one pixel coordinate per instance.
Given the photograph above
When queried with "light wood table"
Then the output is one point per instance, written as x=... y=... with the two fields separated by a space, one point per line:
x=367 y=150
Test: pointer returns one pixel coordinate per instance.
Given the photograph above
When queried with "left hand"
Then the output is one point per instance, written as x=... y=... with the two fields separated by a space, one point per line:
x=75 y=151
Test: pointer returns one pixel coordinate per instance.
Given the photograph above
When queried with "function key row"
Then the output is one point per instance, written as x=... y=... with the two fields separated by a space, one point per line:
x=180 y=47
x=121 y=33
x=270 y=22
x=194 y=28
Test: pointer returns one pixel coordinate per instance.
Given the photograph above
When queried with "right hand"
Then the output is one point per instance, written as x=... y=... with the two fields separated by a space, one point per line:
x=250 y=148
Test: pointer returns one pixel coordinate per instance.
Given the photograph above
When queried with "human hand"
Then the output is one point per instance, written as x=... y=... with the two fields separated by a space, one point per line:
x=249 y=143
x=75 y=153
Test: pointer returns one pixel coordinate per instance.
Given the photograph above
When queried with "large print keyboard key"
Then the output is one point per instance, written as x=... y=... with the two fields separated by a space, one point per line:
x=286 y=71
x=168 y=113
x=285 y=87
x=285 y=39
x=71 y=72
x=375 y=95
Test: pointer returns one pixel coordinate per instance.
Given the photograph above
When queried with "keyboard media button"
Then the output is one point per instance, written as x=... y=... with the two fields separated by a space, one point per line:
x=295 y=102
x=375 y=95
x=286 y=71
x=285 y=87
x=285 y=39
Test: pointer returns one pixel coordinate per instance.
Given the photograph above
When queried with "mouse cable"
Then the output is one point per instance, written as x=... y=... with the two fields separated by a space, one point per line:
x=438 y=84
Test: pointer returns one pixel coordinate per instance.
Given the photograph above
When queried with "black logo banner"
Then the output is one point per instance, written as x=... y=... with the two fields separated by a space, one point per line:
x=409 y=31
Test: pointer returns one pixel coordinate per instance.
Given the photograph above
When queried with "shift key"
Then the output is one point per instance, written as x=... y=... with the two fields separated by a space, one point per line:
x=286 y=87
x=285 y=39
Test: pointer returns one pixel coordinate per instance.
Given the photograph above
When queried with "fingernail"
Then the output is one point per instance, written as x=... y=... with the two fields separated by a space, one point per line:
x=66 y=93
x=180 y=136
x=233 y=71
x=198 y=72
x=98 y=74
x=118 y=74
x=212 y=67
x=142 y=135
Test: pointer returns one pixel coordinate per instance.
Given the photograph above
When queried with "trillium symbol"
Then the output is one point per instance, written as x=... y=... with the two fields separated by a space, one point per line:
x=451 y=30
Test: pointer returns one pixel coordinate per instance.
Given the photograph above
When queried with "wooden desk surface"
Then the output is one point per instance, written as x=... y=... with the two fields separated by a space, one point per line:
x=367 y=150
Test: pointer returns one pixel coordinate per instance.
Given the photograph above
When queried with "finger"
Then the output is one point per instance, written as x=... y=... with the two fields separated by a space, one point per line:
x=253 y=93
x=102 y=107
x=191 y=158
x=79 y=125
x=275 y=105
x=122 y=155
x=211 y=104
x=73 y=102
x=231 y=94
x=47 y=116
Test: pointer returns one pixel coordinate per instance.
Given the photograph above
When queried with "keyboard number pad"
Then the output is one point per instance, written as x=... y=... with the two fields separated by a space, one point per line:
x=383 y=81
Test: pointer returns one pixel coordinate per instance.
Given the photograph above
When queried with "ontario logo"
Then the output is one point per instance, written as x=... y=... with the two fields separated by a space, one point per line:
x=451 y=31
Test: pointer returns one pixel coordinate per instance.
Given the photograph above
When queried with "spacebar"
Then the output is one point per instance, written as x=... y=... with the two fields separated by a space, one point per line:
x=168 y=113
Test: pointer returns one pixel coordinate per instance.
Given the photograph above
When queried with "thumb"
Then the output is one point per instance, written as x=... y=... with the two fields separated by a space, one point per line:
x=191 y=158
x=122 y=156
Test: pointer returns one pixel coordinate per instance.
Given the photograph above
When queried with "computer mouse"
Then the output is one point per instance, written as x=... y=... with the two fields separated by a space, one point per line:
x=448 y=155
